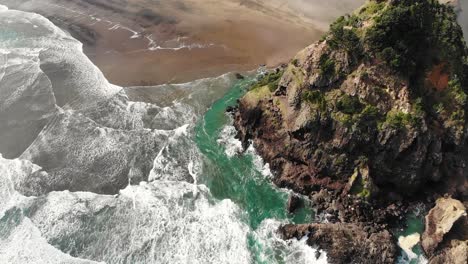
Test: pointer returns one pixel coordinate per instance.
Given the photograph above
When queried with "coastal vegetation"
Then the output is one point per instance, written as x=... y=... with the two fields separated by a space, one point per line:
x=270 y=79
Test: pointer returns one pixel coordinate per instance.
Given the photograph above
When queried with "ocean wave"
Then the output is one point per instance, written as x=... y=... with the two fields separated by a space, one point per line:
x=159 y=222
x=88 y=137
x=91 y=173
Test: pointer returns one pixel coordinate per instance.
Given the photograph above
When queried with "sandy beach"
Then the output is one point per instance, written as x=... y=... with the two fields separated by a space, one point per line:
x=143 y=42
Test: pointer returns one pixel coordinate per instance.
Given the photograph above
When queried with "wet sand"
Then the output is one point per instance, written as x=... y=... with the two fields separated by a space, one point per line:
x=147 y=42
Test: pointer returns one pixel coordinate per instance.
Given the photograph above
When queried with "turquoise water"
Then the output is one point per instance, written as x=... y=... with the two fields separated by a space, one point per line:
x=414 y=224
x=237 y=177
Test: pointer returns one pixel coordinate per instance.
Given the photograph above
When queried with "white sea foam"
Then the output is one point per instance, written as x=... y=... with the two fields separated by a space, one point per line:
x=227 y=138
x=174 y=44
x=233 y=146
x=16 y=176
x=168 y=224
x=407 y=243
x=24 y=244
x=259 y=163
x=76 y=82
x=293 y=251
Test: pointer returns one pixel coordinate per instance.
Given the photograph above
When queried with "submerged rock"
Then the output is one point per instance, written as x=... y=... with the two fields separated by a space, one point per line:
x=294 y=202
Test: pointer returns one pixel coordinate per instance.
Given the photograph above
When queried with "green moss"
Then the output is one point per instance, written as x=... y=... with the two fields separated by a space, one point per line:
x=451 y=104
x=327 y=66
x=277 y=102
x=349 y=105
x=438 y=108
x=418 y=107
x=298 y=76
x=350 y=111
x=455 y=92
x=458 y=115
x=316 y=98
x=399 y=120
x=370 y=113
x=365 y=193
x=345 y=119
x=359 y=185
x=390 y=56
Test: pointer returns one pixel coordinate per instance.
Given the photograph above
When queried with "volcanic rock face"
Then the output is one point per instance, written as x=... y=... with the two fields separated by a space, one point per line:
x=372 y=114
x=445 y=238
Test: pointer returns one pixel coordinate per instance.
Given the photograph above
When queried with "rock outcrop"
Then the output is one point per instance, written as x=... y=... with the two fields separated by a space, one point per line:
x=445 y=238
x=352 y=101
x=345 y=243
x=371 y=118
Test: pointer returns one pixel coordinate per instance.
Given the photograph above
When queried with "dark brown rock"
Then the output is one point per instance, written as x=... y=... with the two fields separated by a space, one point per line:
x=294 y=202
x=346 y=243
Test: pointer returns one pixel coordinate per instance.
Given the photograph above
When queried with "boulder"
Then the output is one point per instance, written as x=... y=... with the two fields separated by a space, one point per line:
x=445 y=231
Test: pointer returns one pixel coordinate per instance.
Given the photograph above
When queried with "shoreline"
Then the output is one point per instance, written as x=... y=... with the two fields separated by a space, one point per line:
x=139 y=43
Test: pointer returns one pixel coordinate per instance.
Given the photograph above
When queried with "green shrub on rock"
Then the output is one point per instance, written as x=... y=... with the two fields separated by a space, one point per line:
x=270 y=79
x=327 y=66
x=315 y=97
x=349 y=105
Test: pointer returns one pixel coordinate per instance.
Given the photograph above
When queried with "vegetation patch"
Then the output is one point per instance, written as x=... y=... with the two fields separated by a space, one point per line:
x=407 y=31
x=371 y=9
x=345 y=34
x=350 y=111
x=399 y=120
x=270 y=80
x=358 y=186
x=370 y=113
x=316 y=98
x=452 y=103
x=327 y=66
x=349 y=104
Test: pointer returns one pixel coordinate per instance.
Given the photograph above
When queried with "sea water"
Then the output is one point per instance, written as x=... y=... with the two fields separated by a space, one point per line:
x=89 y=174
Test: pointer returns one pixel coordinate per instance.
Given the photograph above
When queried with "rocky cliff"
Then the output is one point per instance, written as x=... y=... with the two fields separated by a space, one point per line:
x=372 y=117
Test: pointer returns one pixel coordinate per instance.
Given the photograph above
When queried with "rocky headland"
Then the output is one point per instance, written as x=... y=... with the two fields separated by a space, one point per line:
x=369 y=123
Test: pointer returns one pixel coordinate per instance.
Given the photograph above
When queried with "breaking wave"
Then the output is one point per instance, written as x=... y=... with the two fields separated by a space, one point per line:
x=91 y=172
